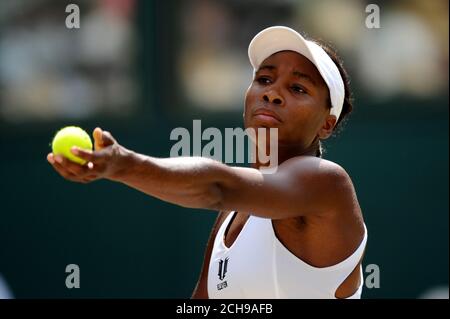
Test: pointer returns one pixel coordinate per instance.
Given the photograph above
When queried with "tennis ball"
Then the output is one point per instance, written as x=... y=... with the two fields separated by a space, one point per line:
x=68 y=137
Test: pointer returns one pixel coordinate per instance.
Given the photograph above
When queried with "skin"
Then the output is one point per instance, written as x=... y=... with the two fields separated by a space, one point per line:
x=306 y=198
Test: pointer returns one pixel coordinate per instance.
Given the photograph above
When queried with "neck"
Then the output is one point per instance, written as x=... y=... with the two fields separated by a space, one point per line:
x=286 y=152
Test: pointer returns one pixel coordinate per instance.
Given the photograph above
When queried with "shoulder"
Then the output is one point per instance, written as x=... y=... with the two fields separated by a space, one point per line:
x=315 y=167
x=327 y=178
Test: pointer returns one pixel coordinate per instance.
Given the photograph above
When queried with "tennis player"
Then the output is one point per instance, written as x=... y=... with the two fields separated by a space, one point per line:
x=296 y=233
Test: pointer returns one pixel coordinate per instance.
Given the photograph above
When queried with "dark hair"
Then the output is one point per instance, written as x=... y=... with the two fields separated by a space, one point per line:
x=348 y=97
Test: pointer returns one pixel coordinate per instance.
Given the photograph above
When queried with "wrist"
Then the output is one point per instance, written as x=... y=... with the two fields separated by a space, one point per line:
x=124 y=163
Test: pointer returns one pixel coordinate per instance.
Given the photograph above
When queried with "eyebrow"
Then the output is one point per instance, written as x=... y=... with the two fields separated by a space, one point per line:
x=305 y=76
x=296 y=73
x=267 y=67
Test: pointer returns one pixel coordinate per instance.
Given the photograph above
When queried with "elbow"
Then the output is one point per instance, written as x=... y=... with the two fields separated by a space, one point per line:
x=214 y=198
x=208 y=198
x=210 y=192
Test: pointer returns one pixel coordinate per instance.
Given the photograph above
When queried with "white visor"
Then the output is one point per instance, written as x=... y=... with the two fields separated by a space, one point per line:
x=278 y=38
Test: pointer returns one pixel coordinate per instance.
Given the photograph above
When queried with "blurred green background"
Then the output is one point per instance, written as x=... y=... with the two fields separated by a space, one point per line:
x=147 y=82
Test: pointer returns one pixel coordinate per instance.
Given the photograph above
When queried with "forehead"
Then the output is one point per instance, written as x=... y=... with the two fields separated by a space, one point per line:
x=290 y=61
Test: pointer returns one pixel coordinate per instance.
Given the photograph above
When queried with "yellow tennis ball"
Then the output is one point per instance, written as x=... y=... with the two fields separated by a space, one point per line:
x=68 y=137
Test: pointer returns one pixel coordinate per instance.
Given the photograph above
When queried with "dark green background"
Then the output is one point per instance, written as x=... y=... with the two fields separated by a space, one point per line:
x=129 y=245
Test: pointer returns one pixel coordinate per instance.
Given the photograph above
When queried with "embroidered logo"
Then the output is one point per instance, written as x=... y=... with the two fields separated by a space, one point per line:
x=223 y=264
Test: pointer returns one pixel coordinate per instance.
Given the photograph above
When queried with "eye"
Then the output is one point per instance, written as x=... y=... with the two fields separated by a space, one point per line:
x=298 y=89
x=264 y=80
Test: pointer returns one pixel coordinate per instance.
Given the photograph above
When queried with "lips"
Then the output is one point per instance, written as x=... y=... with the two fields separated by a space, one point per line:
x=266 y=114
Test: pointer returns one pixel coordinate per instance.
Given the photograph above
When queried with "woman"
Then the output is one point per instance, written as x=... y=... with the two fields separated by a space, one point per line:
x=296 y=233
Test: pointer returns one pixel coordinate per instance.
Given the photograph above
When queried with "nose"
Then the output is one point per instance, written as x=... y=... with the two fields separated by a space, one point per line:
x=273 y=97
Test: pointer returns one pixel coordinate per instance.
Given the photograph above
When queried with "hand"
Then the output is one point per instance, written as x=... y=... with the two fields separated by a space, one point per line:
x=104 y=162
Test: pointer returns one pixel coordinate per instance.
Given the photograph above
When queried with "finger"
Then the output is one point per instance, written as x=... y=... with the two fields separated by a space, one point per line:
x=88 y=155
x=90 y=178
x=74 y=168
x=63 y=172
x=50 y=158
x=98 y=142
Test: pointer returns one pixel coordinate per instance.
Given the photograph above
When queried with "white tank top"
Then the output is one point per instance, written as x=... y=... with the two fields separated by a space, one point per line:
x=259 y=266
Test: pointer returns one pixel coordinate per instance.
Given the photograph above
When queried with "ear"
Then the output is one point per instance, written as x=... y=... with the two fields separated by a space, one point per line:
x=327 y=128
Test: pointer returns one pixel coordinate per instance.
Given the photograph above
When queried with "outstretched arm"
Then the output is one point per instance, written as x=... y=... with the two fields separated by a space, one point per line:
x=300 y=186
